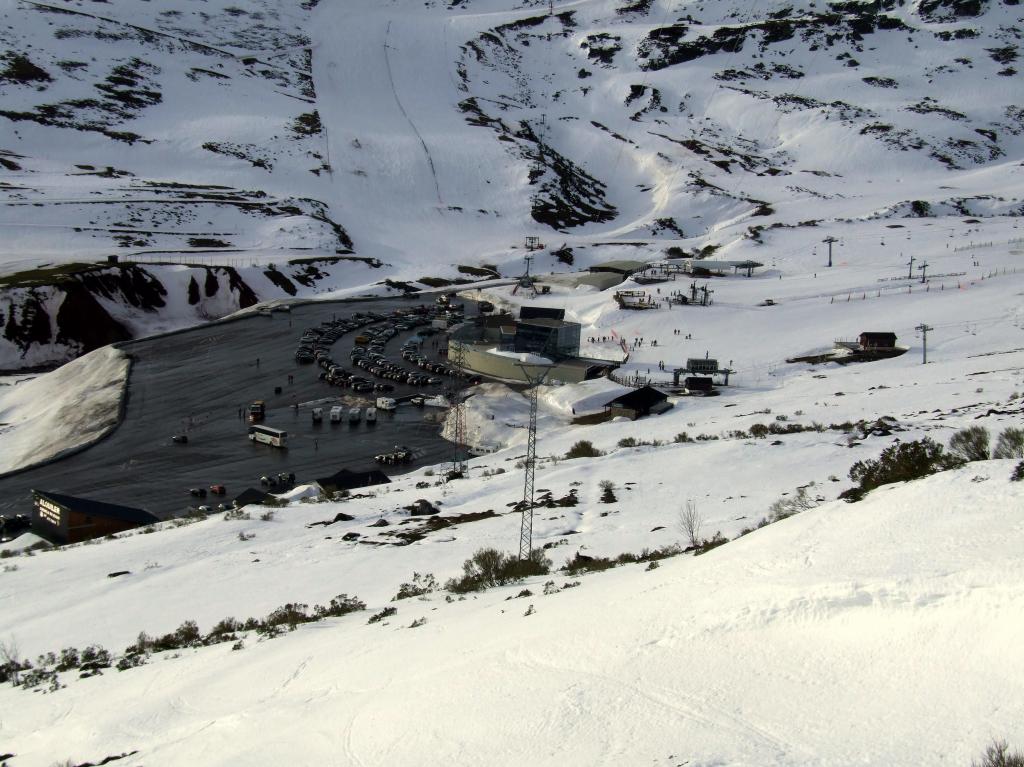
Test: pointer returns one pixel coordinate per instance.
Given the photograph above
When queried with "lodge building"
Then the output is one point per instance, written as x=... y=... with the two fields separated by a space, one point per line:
x=63 y=519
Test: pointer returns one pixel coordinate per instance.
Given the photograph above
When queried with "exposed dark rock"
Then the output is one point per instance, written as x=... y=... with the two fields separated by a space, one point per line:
x=83 y=321
x=281 y=281
x=422 y=507
x=212 y=284
x=193 y=291
x=34 y=325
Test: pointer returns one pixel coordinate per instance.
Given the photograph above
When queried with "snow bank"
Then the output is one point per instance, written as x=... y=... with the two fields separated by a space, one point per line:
x=60 y=411
x=527 y=358
x=299 y=492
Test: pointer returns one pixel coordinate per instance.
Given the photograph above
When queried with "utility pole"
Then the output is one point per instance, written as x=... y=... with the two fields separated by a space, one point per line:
x=535 y=375
x=924 y=270
x=910 y=268
x=923 y=330
x=828 y=241
x=457 y=358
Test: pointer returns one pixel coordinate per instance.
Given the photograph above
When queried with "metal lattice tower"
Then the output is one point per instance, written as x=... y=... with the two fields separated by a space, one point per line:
x=525 y=280
x=535 y=375
x=457 y=358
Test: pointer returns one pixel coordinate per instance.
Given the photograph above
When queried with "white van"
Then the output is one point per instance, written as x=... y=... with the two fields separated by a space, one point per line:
x=386 y=403
x=318 y=414
x=336 y=413
x=371 y=415
x=354 y=414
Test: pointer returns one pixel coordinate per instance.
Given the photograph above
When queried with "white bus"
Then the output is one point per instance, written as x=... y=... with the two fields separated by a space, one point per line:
x=268 y=435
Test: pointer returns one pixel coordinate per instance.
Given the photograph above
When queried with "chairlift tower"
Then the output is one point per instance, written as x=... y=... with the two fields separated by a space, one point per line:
x=525 y=280
x=535 y=375
x=828 y=241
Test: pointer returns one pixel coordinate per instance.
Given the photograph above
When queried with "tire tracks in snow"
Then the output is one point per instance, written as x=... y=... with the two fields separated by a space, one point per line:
x=394 y=92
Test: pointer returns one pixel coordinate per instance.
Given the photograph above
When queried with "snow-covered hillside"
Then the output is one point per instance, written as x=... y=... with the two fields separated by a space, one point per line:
x=881 y=633
x=431 y=137
x=44 y=417
x=232 y=153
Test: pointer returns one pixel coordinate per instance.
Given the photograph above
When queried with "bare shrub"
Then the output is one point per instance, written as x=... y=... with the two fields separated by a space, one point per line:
x=998 y=754
x=583 y=449
x=970 y=444
x=903 y=462
x=689 y=522
x=419 y=586
x=10 y=661
x=788 y=506
x=1010 y=443
x=490 y=567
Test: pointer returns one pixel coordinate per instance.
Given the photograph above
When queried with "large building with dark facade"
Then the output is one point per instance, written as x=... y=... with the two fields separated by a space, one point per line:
x=64 y=519
x=493 y=346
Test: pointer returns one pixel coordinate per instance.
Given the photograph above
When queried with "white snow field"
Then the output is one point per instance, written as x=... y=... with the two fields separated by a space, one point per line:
x=54 y=413
x=886 y=632
x=349 y=143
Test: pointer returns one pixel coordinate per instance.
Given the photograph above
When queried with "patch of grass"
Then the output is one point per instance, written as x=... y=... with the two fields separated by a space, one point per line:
x=46 y=275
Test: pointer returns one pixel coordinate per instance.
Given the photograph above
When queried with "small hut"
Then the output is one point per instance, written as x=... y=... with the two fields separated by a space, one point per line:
x=640 y=402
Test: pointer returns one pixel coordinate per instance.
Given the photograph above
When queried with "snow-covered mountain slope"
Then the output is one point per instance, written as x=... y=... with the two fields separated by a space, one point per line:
x=885 y=633
x=429 y=137
x=425 y=137
x=50 y=415
x=441 y=133
x=55 y=314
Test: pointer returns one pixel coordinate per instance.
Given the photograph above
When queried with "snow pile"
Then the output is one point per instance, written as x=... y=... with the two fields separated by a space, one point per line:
x=527 y=358
x=496 y=416
x=884 y=632
x=580 y=398
x=300 y=492
x=63 y=410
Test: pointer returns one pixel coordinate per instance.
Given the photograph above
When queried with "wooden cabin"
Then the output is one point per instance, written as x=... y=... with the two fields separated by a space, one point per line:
x=870 y=340
x=640 y=402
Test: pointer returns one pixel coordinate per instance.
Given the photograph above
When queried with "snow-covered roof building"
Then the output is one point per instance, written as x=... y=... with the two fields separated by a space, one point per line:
x=640 y=402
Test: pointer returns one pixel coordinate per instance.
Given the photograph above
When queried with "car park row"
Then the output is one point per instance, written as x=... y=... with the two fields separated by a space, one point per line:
x=367 y=353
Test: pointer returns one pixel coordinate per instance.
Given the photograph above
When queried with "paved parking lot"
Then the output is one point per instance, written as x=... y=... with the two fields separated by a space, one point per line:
x=196 y=382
